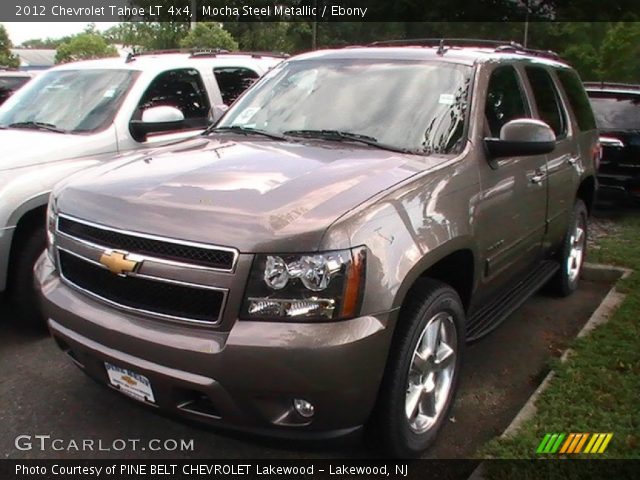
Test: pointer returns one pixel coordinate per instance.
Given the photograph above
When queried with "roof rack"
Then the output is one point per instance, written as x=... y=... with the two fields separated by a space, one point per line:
x=445 y=44
x=196 y=53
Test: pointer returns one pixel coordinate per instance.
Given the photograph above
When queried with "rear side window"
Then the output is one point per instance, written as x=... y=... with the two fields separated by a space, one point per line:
x=577 y=98
x=233 y=81
x=616 y=111
x=505 y=99
x=547 y=99
x=182 y=89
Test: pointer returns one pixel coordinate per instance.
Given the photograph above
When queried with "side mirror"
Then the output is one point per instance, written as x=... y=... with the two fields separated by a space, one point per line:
x=521 y=137
x=156 y=120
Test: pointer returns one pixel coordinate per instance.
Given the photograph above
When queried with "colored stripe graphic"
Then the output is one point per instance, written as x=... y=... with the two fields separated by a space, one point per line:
x=543 y=443
x=574 y=443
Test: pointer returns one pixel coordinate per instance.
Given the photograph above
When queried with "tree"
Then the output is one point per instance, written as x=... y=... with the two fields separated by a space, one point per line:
x=209 y=35
x=85 y=46
x=619 y=53
x=148 y=35
x=7 y=59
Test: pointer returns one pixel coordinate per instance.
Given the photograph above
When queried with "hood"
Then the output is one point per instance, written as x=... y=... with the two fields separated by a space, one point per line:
x=23 y=148
x=256 y=196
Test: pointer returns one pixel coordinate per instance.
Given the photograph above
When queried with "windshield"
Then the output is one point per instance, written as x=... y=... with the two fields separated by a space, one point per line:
x=619 y=112
x=414 y=106
x=69 y=100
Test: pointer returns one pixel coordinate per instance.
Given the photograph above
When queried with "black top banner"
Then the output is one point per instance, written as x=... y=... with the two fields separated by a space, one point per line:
x=318 y=10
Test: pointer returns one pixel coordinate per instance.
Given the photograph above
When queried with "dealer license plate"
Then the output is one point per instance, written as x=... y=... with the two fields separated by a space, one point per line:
x=130 y=383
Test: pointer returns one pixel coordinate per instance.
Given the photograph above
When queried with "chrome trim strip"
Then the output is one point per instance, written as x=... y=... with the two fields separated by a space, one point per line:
x=163 y=316
x=152 y=237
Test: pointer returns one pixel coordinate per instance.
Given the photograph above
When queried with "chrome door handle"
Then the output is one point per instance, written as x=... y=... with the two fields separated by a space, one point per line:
x=538 y=178
x=572 y=160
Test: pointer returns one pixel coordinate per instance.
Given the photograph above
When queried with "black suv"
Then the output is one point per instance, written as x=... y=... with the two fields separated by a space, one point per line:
x=617 y=110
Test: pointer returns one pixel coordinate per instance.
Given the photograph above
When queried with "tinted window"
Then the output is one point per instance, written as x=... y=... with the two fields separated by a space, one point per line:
x=233 y=81
x=577 y=98
x=182 y=89
x=616 y=112
x=417 y=106
x=547 y=101
x=71 y=100
x=505 y=99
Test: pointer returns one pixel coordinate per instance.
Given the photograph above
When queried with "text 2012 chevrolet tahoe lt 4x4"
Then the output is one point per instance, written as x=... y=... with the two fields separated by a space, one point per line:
x=317 y=261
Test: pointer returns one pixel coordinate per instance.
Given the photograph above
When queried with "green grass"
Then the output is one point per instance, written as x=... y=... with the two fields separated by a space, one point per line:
x=598 y=388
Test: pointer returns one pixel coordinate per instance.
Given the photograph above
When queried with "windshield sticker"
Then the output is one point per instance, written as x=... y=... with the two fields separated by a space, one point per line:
x=246 y=115
x=109 y=93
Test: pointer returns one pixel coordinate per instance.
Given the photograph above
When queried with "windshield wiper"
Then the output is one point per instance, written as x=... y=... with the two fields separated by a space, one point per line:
x=245 y=131
x=37 y=126
x=339 y=136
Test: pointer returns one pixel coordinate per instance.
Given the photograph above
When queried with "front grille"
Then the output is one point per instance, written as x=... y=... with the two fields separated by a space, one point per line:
x=156 y=297
x=177 y=252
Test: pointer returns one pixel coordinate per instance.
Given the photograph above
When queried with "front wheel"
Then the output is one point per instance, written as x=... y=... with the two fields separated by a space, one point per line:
x=22 y=291
x=572 y=255
x=422 y=372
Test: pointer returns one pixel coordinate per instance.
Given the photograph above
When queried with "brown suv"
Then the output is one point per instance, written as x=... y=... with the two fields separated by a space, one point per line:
x=317 y=261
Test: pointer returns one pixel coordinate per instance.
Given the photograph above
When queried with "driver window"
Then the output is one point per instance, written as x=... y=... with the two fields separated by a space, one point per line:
x=505 y=99
x=182 y=89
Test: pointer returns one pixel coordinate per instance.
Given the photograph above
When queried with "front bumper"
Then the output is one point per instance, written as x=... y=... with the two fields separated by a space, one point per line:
x=245 y=378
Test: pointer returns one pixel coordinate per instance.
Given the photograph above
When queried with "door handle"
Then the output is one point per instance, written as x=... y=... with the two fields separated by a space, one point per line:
x=572 y=160
x=538 y=178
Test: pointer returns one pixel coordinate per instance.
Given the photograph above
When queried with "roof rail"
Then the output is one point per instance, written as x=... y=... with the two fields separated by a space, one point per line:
x=618 y=85
x=212 y=52
x=443 y=44
x=217 y=51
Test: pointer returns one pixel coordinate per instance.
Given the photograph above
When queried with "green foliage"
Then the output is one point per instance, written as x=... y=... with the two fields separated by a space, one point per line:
x=209 y=35
x=148 y=35
x=84 y=46
x=269 y=36
x=620 y=52
x=6 y=58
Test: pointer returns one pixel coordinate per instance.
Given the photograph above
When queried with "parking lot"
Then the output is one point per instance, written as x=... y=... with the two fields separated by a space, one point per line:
x=42 y=393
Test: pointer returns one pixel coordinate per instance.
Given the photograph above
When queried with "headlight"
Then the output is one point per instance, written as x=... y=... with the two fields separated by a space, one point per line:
x=52 y=218
x=316 y=286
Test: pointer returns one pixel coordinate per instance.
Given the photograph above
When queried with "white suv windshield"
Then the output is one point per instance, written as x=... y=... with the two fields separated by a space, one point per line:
x=74 y=101
x=410 y=105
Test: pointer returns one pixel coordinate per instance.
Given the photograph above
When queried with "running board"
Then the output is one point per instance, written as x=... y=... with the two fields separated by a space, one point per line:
x=488 y=317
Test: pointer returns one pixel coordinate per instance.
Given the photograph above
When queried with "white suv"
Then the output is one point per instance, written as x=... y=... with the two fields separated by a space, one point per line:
x=77 y=115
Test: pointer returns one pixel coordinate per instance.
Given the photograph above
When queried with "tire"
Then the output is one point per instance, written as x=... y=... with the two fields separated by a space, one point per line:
x=22 y=292
x=573 y=252
x=404 y=435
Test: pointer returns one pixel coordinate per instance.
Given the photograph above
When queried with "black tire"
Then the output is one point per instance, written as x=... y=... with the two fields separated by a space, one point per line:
x=22 y=293
x=564 y=283
x=389 y=426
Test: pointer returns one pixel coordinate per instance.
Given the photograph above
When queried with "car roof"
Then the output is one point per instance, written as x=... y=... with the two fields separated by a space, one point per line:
x=467 y=55
x=163 y=61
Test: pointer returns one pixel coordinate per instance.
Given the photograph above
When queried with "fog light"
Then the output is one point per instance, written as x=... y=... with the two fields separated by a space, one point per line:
x=304 y=408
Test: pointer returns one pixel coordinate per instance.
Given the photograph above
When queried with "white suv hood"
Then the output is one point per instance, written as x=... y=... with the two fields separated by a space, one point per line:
x=23 y=148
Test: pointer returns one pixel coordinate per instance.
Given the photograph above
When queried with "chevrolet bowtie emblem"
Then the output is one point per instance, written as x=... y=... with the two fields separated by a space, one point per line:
x=118 y=263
